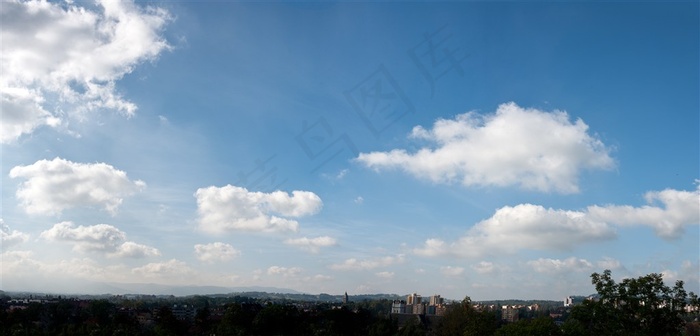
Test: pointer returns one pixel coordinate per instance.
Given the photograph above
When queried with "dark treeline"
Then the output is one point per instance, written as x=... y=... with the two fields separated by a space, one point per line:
x=642 y=306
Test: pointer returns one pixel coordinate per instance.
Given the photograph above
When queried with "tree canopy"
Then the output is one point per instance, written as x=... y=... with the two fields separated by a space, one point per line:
x=634 y=306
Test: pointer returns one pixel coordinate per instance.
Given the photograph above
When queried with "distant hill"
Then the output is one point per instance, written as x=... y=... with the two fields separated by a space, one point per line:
x=113 y=288
x=156 y=289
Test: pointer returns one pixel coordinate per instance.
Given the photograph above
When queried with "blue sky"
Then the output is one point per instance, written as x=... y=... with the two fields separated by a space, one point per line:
x=496 y=150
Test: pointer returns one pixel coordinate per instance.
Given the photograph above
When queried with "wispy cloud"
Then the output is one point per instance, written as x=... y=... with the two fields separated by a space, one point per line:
x=312 y=244
x=215 y=252
x=10 y=238
x=287 y=272
x=353 y=264
x=171 y=269
x=572 y=264
x=451 y=271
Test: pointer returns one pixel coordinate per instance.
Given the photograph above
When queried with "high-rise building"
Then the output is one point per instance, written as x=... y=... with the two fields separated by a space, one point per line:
x=435 y=300
x=413 y=299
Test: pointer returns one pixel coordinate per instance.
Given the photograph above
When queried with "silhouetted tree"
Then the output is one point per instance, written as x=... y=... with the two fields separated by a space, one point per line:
x=413 y=327
x=541 y=326
x=636 y=306
x=383 y=326
x=167 y=323
x=463 y=319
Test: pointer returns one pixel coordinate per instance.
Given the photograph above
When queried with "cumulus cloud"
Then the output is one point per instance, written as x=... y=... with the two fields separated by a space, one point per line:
x=232 y=208
x=312 y=244
x=353 y=264
x=10 y=238
x=22 y=113
x=133 y=250
x=524 y=226
x=215 y=252
x=530 y=148
x=98 y=238
x=286 y=272
x=63 y=60
x=572 y=264
x=528 y=226
x=668 y=212
x=55 y=185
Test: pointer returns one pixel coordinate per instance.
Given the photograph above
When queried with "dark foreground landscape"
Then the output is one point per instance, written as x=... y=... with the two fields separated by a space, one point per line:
x=641 y=306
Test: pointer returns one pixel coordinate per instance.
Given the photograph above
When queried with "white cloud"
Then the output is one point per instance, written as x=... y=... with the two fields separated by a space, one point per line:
x=172 y=268
x=337 y=176
x=133 y=250
x=312 y=244
x=359 y=200
x=534 y=149
x=452 y=271
x=353 y=264
x=22 y=113
x=23 y=268
x=20 y=264
x=320 y=278
x=689 y=273
x=528 y=226
x=609 y=263
x=63 y=57
x=385 y=275
x=572 y=264
x=284 y=271
x=98 y=238
x=484 y=267
x=678 y=208
x=215 y=252
x=10 y=238
x=59 y=184
x=524 y=226
x=232 y=208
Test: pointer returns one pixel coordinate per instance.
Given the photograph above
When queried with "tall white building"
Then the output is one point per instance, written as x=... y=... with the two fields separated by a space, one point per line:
x=398 y=307
x=568 y=301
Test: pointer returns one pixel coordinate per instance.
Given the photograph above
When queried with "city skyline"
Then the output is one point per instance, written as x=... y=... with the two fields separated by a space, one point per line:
x=495 y=150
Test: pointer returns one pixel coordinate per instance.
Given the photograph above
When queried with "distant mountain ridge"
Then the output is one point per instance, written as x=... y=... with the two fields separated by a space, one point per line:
x=114 y=288
x=157 y=289
x=100 y=289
